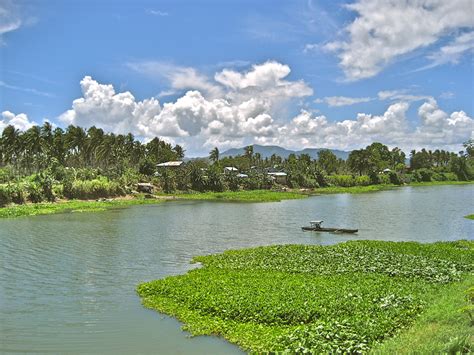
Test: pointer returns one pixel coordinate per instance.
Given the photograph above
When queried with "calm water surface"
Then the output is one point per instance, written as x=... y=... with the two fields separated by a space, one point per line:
x=67 y=282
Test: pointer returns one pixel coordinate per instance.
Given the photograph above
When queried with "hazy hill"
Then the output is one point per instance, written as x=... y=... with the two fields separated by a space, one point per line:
x=266 y=151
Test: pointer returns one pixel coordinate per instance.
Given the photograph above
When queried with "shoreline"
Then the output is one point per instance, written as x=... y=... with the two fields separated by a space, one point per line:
x=74 y=206
x=260 y=298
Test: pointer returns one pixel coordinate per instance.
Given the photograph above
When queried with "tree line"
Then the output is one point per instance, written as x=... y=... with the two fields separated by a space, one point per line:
x=44 y=163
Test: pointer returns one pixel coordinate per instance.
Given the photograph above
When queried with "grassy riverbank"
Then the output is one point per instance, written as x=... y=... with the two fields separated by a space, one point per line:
x=344 y=298
x=33 y=209
x=383 y=187
x=62 y=206
x=243 y=196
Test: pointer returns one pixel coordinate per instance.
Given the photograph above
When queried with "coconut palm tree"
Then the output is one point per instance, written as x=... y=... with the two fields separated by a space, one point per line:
x=214 y=155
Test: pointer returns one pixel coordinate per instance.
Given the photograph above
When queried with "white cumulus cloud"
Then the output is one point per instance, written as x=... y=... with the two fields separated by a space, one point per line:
x=385 y=30
x=115 y=112
x=19 y=121
x=237 y=118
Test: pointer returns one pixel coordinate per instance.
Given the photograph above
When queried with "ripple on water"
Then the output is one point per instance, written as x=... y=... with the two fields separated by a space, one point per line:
x=67 y=282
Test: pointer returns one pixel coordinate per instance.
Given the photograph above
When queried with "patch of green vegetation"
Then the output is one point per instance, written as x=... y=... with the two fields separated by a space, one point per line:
x=70 y=206
x=382 y=187
x=442 y=329
x=354 y=189
x=436 y=183
x=343 y=298
x=243 y=196
x=469 y=216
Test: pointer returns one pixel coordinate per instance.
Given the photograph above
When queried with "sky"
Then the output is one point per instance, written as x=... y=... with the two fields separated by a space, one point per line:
x=204 y=74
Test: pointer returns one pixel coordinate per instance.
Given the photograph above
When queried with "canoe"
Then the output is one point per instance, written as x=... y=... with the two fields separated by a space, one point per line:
x=333 y=230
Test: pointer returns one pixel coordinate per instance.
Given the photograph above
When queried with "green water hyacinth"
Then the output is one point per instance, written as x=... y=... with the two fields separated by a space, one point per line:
x=298 y=298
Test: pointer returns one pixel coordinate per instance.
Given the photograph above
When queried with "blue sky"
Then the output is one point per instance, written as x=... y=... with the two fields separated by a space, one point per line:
x=298 y=74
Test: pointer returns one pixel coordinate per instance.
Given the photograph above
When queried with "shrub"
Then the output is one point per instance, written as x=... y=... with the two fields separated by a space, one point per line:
x=6 y=174
x=58 y=190
x=438 y=177
x=147 y=168
x=320 y=178
x=168 y=182
x=451 y=176
x=46 y=183
x=92 y=189
x=374 y=178
x=34 y=191
x=17 y=194
x=86 y=174
x=362 y=180
x=5 y=197
x=423 y=175
x=232 y=182
x=342 y=180
x=394 y=178
x=384 y=179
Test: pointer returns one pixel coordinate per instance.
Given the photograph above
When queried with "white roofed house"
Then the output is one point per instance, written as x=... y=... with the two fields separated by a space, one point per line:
x=279 y=177
x=231 y=170
x=170 y=164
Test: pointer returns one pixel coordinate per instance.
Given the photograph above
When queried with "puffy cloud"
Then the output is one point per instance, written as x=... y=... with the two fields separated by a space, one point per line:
x=180 y=78
x=336 y=101
x=437 y=129
x=115 y=112
x=385 y=30
x=266 y=80
x=20 y=121
x=243 y=106
x=306 y=130
x=237 y=118
x=441 y=128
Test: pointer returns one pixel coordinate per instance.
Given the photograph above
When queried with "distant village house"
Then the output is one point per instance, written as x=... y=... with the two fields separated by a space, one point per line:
x=170 y=164
x=279 y=177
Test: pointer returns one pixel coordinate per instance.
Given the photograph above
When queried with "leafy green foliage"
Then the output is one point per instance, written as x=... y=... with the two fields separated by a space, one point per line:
x=93 y=189
x=70 y=206
x=243 y=196
x=295 y=298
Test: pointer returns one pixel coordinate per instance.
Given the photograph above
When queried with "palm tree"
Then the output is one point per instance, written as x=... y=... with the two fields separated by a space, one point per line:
x=248 y=151
x=33 y=147
x=47 y=138
x=179 y=151
x=11 y=145
x=214 y=155
x=105 y=151
x=75 y=142
x=95 y=137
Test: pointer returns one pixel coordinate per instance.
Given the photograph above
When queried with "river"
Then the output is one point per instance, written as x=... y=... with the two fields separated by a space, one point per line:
x=67 y=281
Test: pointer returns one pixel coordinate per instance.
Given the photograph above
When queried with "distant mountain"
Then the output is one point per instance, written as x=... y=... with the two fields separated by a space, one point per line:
x=266 y=151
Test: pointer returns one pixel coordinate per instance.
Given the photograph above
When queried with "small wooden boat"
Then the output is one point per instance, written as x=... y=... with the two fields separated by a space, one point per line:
x=316 y=227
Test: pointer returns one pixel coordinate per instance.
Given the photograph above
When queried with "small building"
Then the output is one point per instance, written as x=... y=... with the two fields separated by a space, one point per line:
x=230 y=170
x=279 y=177
x=170 y=164
x=386 y=171
x=145 y=187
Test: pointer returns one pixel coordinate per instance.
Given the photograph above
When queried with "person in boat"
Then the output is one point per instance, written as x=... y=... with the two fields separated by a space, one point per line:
x=316 y=224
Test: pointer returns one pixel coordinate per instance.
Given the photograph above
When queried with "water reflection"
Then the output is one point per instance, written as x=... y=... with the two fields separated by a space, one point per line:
x=67 y=282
